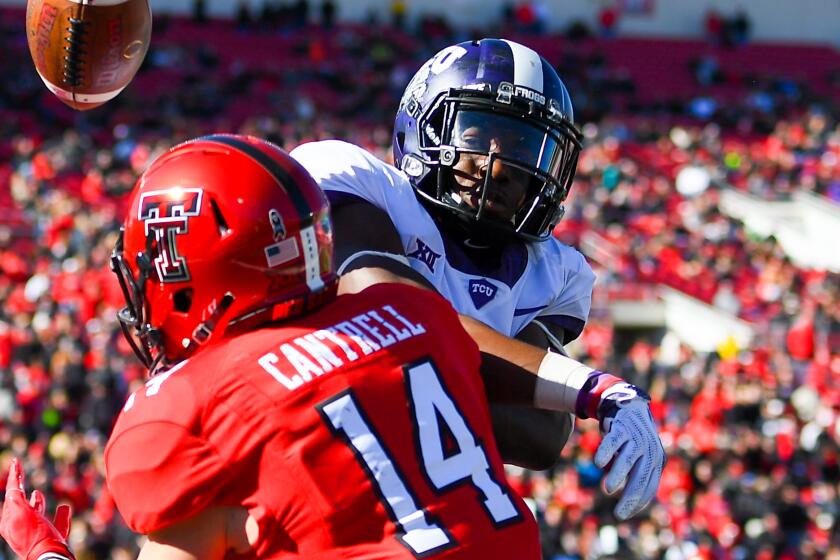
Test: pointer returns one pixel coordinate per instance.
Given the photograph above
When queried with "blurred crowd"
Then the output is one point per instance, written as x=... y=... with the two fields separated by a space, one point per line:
x=753 y=434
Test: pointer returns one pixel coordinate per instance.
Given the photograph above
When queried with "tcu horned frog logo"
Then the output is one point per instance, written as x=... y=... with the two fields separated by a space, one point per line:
x=166 y=213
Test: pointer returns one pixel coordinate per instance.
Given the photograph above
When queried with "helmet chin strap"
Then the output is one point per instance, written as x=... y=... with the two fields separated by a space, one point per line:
x=204 y=329
x=156 y=363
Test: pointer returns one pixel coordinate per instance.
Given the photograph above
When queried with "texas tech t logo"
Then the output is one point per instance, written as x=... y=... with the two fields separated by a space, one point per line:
x=166 y=214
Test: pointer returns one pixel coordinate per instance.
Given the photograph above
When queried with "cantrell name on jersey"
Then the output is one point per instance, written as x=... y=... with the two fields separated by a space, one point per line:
x=319 y=352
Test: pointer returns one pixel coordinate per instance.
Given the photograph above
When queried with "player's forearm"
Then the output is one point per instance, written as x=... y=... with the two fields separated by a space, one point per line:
x=357 y=280
x=516 y=372
x=510 y=350
x=530 y=437
x=378 y=270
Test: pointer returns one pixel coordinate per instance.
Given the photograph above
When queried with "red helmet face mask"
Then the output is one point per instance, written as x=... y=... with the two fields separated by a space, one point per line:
x=224 y=232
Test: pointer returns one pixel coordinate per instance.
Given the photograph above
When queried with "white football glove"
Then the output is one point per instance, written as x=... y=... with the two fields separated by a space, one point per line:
x=632 y=443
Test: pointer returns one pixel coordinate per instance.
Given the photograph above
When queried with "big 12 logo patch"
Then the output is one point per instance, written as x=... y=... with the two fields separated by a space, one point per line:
x=166 y=214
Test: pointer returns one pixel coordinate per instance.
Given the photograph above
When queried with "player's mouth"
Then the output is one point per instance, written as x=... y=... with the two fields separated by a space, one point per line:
x=496 y=205
x=498 y=202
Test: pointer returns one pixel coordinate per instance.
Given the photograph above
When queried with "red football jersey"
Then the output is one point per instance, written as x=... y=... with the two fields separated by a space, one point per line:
x=361 y=431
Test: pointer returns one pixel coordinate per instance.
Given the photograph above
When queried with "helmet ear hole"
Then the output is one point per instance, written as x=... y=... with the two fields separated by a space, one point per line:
x=182 y=300
x=221 y=223
x=401 y=140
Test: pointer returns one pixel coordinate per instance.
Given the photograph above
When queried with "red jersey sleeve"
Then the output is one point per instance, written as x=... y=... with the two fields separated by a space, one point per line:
x=159 y=467
x=160 y=474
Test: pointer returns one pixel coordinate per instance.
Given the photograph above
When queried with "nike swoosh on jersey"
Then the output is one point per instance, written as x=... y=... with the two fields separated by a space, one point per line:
x=527 y=310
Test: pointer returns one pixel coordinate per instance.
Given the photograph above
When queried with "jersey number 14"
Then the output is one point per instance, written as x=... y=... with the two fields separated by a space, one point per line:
x=430 y=404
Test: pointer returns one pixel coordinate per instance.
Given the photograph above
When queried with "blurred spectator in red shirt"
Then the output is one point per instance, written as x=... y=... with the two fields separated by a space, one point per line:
x=713 y=26
x=607 y=21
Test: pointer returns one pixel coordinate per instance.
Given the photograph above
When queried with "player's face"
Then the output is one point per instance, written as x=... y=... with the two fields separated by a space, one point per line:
x=507 y=186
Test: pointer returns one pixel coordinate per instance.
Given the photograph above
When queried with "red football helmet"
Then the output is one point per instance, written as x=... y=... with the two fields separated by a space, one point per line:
x=223 y=231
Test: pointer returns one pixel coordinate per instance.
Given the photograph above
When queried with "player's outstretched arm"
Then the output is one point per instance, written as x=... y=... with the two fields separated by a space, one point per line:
x=526 y=436
x=368 y=256
x=533 y=437
x=630 y=448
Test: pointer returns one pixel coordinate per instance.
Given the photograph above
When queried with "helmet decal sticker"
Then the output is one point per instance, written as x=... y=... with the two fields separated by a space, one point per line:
x=282 y=252
x=312 y=260
x=278 y=228
x=166 y=213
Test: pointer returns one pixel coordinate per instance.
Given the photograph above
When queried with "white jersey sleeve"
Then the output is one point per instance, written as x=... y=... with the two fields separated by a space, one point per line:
x=579 y=279
x=575 y=278
x=339 y=166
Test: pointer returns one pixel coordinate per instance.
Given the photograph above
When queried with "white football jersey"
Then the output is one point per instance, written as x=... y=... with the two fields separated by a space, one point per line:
x=546 y=280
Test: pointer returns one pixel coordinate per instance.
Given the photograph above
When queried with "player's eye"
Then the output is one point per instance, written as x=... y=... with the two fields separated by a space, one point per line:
x=473 y=142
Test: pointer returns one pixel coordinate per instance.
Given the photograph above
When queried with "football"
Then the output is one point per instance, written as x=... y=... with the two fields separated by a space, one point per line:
x=87 y=51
